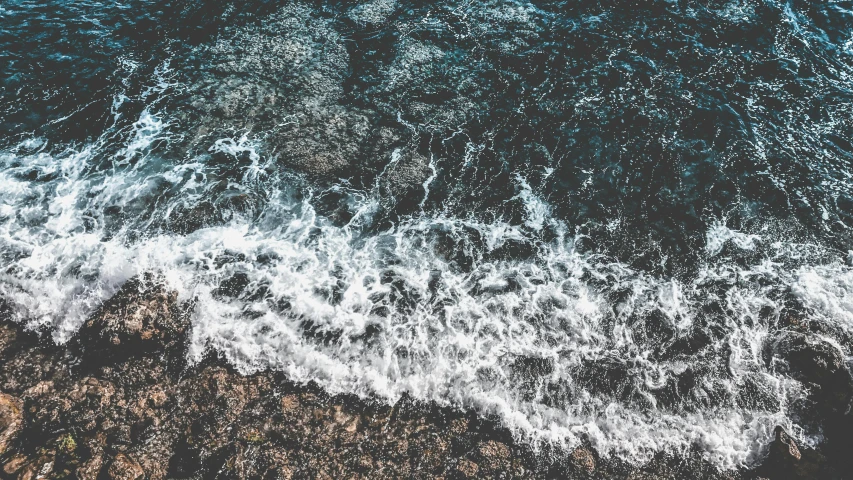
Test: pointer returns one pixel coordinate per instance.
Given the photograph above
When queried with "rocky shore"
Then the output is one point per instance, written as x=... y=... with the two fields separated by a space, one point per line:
x=120 y=402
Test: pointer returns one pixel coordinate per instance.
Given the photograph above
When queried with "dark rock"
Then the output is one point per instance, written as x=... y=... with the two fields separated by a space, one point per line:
x=809 y=357
x=757 y=392
x=787 y=461
x=820 y=365
x=815 y=361
x=784 y=449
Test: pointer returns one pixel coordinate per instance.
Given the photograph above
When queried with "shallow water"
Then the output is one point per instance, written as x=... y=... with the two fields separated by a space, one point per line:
x=586 y=219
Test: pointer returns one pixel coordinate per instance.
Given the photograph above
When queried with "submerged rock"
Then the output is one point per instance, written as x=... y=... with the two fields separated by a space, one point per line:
x=330 y=140
x=405 y=176
x=284 y=76
x=809 y=357
x=812 y=359
x=373 y=12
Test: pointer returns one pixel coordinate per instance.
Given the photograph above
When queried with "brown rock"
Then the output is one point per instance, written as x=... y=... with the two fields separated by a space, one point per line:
x=40 y=389
x=494 y=455
x=125 y=468
x=11 y=420
x=285 y=472
x=348 y=422
x=459 y=426
x=142 y=316
x=517 y=468
x=154 y=458
x=432 y=451
x=784 y=447
x=14 y=464
x=40 y=468
x=91 y=468
x=158 y=397
x=583 y=460
x=365 y=461
x=467 y=468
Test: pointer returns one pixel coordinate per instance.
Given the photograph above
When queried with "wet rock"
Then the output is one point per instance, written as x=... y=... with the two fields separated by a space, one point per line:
x=459 y=426
x=143 y=317
x=783 y=457
x=11 y=420
x=429 y=452
x=39 y=468
x=467 y=468
x=8 y=335
x=123 y=467
x=23 y=365
x=14 y=464
x=129 y=418
x=495 y=456
x=784 y=449
x=290 y=405
x=90 y=469
x=786 y=461
x=405 y=175
x=756 y=391
x=582 y=460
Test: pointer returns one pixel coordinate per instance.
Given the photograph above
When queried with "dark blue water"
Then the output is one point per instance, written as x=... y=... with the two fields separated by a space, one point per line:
x=586 y=218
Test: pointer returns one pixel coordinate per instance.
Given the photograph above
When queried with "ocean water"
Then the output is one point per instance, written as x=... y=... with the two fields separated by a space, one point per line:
x=586 y=219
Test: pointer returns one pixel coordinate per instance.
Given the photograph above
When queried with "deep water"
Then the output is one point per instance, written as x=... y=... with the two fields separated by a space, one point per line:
x=588 y=219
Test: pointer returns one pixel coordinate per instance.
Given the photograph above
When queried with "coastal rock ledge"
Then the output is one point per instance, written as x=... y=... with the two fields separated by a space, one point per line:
x=120 y=402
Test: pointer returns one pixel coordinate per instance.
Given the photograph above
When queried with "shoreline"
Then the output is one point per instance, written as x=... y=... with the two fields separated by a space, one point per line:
x=120 y=402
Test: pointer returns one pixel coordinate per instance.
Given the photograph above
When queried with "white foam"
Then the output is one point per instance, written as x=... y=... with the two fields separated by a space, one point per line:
x=718 y=234
x=399 y=315
x=538 y=212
